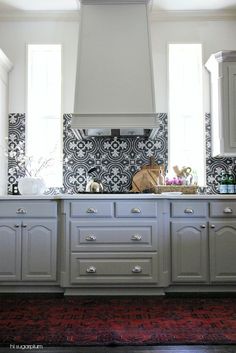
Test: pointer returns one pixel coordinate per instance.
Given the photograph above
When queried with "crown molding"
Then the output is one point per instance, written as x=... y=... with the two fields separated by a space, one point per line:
x=155 y=15
x=197 y=15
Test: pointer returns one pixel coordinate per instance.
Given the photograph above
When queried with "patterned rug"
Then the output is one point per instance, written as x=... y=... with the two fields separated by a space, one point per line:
x=107 y=321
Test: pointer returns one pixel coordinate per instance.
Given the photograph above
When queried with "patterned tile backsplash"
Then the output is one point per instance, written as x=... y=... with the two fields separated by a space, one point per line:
x=116 y=159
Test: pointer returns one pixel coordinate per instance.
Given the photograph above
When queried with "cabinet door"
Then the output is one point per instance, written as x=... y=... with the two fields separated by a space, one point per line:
x=223 y=251
x=10 y=251
x=39 y=250
x=189 y=251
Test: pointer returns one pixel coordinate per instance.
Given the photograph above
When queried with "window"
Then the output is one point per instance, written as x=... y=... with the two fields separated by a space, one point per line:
x=186 y=124
x=43 y=122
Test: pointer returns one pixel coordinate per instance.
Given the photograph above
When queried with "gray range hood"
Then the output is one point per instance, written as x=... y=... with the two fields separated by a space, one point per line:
x=114 y=92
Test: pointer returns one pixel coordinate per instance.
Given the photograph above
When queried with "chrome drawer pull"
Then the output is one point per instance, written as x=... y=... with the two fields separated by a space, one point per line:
x=136 y=210
x=24 y=225
x=203 y=226
x=21 y=211
x=90 y=238
x=188 y=211
x=16 y=225
x=213 y=226
x=136 y=237
x=92 y=210
x=137 y=269
x=228 y=210
x=91 y=269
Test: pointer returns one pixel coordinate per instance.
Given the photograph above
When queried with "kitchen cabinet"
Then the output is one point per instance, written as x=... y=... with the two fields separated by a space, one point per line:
x=5 y=67
x=112 y=242
x=222 y=67
x=189 y=251
x=222 y=244
x=28 y=245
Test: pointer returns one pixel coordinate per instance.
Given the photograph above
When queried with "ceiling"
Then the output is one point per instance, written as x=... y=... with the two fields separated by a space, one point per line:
x=71 y=5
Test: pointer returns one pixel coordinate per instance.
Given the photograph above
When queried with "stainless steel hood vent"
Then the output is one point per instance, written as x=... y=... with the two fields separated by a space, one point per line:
x=114 y=92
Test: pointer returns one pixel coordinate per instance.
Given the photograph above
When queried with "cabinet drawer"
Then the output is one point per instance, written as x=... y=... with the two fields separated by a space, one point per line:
x=136 y=208
x=91 y=209
x=223 y=209
x=114 y=236
x=34 y=209
x=113 y=268
x=188 y=209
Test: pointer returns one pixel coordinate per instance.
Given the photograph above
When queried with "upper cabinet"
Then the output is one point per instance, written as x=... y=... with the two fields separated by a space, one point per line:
x=222 y=67
x=5 y=67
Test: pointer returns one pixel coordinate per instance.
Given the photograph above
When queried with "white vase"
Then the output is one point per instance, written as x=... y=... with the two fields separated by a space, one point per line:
x=31 y=186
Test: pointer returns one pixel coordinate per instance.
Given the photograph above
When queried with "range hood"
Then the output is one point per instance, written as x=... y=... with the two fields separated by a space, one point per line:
x=114 y=93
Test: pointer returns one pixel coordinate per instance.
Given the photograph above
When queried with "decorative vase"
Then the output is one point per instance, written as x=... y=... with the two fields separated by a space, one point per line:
x=31 y=186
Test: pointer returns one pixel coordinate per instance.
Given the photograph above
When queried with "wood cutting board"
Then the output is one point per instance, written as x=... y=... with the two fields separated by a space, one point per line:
x=147 y=177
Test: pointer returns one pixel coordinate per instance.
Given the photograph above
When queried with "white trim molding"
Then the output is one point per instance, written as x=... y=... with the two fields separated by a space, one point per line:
x=198 y=15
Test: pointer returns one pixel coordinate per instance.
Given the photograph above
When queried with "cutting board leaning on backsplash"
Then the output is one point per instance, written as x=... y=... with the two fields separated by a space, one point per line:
x=147 y=177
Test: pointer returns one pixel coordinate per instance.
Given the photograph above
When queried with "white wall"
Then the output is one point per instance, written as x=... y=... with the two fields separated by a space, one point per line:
x=214 y=35
x=14 y=36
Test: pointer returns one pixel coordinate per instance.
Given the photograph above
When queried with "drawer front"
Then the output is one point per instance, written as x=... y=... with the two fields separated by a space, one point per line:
x=223 y=209
x=114 y=236
x=92 y=209
x=188 y=209
x=136 y=209
x=21 y=209
x=113 y=268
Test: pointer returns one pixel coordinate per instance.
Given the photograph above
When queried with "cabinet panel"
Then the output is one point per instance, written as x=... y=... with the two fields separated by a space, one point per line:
x=189 y=251
x=114 y=236
x=92 y=209
x=25 y=209
x=188 y=209
x=10 y=251
x=136 y=209
x=39 y=247
x=113 y=268
x=223 y=251
x=223 y=209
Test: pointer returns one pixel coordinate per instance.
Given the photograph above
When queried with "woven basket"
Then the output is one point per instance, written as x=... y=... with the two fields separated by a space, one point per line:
x=190 y=189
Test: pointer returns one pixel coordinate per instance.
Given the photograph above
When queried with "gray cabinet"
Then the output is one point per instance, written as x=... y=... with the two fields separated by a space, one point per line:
x=189 y=251
x=112 y=242
x=10 y=251
x=223 y=251
x=28 y=246
x=39 y=250
x=222 y=66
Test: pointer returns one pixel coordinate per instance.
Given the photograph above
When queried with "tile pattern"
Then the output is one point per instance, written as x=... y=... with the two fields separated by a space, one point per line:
x=215 y=165
x=116 y=159
x=16 y=135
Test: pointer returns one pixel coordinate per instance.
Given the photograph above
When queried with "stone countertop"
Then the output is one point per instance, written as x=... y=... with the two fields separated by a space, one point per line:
x=118 y=196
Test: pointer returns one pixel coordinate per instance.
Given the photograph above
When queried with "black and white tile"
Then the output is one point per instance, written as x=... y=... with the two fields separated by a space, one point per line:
x=116 y=159
x=16 y=147
x=215 y=165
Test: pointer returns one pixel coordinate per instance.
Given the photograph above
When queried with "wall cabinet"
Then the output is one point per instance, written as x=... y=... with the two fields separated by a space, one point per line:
x=222 y=67
x=28 y=246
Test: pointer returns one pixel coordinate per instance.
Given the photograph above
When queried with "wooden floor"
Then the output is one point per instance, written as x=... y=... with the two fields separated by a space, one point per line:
x=140 y=349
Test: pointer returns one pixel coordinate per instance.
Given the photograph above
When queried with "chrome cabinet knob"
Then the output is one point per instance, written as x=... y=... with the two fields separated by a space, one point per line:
x=91 y=269
x=21 y=211
x=213 y=226
x=135 y=210
x=228 y=210
x=188 y=211
x=16 y=225
x=136 y=237
x=203 y=226
x=90 y=238
x=92 y=210
x=137 y=269
x=24 y=225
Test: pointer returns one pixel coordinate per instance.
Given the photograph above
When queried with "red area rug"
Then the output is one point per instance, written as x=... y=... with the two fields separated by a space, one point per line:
x=101 y=321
